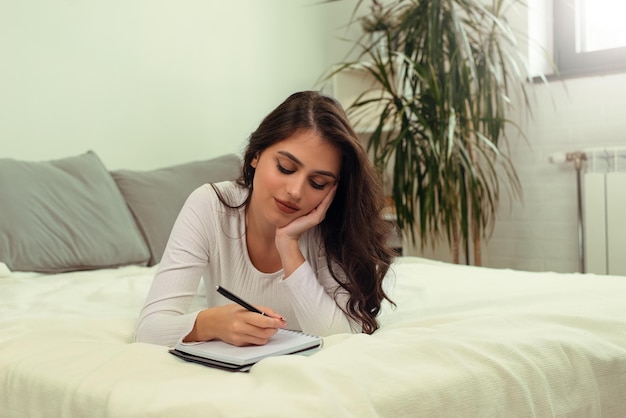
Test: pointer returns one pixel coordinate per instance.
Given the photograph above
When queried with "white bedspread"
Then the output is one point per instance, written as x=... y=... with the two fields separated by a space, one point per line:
x=463 y=342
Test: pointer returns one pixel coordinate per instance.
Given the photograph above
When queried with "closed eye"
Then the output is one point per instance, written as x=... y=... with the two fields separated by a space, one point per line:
x=283 y=169
x=316 y=185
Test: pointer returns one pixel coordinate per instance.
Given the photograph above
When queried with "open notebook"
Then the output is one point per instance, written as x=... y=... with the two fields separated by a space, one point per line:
x=229 y=357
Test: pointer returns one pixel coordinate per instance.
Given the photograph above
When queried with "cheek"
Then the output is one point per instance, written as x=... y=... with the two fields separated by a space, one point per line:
x=265 y=178
x=315 y=199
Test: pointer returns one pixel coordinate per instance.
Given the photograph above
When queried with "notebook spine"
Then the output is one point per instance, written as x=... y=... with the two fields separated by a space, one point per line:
x=295 y=331
x=312 y=336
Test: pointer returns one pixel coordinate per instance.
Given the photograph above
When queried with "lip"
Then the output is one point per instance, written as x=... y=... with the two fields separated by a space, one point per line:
x=286 y=206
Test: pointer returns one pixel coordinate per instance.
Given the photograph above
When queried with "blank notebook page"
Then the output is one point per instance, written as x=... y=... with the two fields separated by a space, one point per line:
x=283 y=342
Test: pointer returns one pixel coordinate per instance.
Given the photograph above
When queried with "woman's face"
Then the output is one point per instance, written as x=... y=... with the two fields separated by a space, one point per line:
x=293 y=176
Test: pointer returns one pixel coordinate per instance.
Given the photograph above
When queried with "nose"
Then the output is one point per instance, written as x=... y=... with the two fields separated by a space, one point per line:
x=295 y=186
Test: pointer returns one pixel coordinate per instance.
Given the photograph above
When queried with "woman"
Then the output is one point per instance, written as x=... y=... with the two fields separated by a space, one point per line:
x=299 y=235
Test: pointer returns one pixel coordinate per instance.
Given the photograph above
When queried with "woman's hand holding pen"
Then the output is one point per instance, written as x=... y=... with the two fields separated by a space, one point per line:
x=236 y=325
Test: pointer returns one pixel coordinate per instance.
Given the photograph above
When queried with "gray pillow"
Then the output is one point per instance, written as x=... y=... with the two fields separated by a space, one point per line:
x=65 y=215
x=156 y=197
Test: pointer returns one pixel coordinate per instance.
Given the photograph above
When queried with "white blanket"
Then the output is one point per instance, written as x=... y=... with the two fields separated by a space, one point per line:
x=463 y=342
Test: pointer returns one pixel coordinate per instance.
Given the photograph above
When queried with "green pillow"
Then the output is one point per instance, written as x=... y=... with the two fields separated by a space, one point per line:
x=156 y=197
x=65 y=215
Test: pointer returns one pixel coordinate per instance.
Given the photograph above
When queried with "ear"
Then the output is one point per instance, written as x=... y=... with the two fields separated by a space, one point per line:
x=254 y=161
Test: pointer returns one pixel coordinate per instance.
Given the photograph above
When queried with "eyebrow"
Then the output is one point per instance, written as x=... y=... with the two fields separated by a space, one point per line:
x=299 y=163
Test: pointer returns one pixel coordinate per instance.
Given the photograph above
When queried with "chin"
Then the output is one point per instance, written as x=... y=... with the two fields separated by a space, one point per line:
x=278 y=219
x=281 y=222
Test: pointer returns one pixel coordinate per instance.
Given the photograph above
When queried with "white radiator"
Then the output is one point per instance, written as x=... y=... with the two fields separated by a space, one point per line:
x=604 y=211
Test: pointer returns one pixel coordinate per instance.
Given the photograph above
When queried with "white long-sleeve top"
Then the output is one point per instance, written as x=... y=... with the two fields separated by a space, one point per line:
x=208 y=242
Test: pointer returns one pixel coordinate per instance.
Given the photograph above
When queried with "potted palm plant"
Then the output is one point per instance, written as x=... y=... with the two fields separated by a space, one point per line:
x=443 y=86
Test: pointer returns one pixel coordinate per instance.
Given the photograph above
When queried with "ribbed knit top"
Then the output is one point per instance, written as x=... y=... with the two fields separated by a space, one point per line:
x=208 y=242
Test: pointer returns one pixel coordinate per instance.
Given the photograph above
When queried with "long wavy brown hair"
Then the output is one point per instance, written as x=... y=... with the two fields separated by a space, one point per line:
x=353 y=232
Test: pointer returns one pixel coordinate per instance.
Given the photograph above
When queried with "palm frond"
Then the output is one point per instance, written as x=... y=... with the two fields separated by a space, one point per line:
x=450 y=73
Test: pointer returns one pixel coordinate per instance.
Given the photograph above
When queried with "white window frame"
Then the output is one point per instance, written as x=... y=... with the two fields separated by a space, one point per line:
x=568 y=61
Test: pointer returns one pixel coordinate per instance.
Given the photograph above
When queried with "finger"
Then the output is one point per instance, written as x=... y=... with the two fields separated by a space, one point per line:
x=320 y=210
x=254 y=336
x=330 y=196
x=259 y=337
x=251 y=329
x=262 y=327
x=272 y=314
x=269 y=319
x=327 y=201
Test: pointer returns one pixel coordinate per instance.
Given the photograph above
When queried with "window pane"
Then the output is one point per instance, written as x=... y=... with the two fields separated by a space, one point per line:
x=589 y=36
x=600 y=25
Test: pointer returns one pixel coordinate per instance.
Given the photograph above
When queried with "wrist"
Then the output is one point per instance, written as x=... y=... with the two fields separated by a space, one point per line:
x=202 y=327
x=286 y=245
x=290 y=255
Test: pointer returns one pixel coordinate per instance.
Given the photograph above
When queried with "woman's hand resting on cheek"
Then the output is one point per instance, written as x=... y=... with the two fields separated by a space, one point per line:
x=287 y=236
x=295 y=228
x=236 y=325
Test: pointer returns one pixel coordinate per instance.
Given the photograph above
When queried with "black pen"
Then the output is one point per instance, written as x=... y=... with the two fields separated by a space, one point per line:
x=237 y=300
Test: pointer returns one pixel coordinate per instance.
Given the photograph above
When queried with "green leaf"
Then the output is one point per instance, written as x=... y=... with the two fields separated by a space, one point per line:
x=439 y=107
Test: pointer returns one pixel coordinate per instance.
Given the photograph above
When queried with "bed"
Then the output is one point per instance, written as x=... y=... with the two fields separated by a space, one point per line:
x=463 y=341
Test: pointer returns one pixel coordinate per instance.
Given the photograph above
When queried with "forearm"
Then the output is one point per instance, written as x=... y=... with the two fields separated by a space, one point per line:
x=317 y=312
x=164 y=329
x=290 y=255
